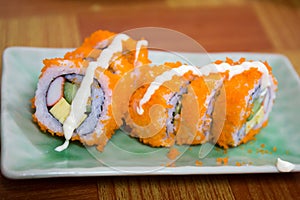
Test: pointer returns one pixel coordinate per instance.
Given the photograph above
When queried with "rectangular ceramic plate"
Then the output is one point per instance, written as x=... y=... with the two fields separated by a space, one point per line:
x=29 y=153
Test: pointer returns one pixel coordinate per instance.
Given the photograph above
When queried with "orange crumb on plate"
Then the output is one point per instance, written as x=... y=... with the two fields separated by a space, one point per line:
x=198 y=163
x=221 y=161
x=173 y=153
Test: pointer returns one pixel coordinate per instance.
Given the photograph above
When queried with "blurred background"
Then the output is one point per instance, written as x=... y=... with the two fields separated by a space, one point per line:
x=218 y=25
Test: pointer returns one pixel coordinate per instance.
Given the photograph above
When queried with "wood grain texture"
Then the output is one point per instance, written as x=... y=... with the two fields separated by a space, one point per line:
x=265 y=186
x=166 y=187
x=234 y=33
x=281 y=23
x=46 y=31
x=67 y=188
x=219 y=25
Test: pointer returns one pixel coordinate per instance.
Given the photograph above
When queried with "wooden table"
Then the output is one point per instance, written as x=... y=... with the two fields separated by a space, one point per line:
x=219 y=25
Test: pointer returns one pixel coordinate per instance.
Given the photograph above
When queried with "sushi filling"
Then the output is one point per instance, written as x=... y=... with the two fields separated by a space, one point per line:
x=175 y=110
x=207 y=117
x=259 y=102
x=59 y=97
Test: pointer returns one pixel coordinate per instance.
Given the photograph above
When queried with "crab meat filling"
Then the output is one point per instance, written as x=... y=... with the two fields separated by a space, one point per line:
x=65 y=88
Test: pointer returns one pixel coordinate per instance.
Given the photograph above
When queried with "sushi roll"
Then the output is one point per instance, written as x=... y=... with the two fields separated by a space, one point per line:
x=186 y=99
x=73 y=96
x=56 y=90
x=198 y=109
x=250 y=89
x=225 y=103
x=152 y=124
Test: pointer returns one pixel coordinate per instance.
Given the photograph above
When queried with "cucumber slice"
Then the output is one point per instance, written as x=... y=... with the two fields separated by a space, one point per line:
x=178 y=108
x=88 y=109
x=256 y=106
x=70 y=90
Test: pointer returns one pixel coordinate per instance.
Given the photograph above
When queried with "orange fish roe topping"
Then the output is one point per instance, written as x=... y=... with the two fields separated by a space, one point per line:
x=60 y=62
x=218 y=62
x=44 y=128
x=81 y=52
x=241 y=60
x=238 y=164
x=274 y=148
x=268 y=66
x=51 y=62
x=229 y=61
x=121 y=65
x=173 y=64
x=143 y=126
x=143 y=56
x=250 y=136
x=262 y=145
x=32 y=101
x=156 y=98
x=97 y=37
x=270 y=71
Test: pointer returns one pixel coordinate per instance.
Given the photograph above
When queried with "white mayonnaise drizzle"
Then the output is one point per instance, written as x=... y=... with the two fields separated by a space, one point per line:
x=166 y=76
x=238 y=69
x=78 y=106
x=138 y=47
x=284 y=166
x=205 y=70
x=115 y=46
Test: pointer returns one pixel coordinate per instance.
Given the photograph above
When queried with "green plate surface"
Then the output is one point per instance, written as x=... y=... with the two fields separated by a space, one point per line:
x=29 y=153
